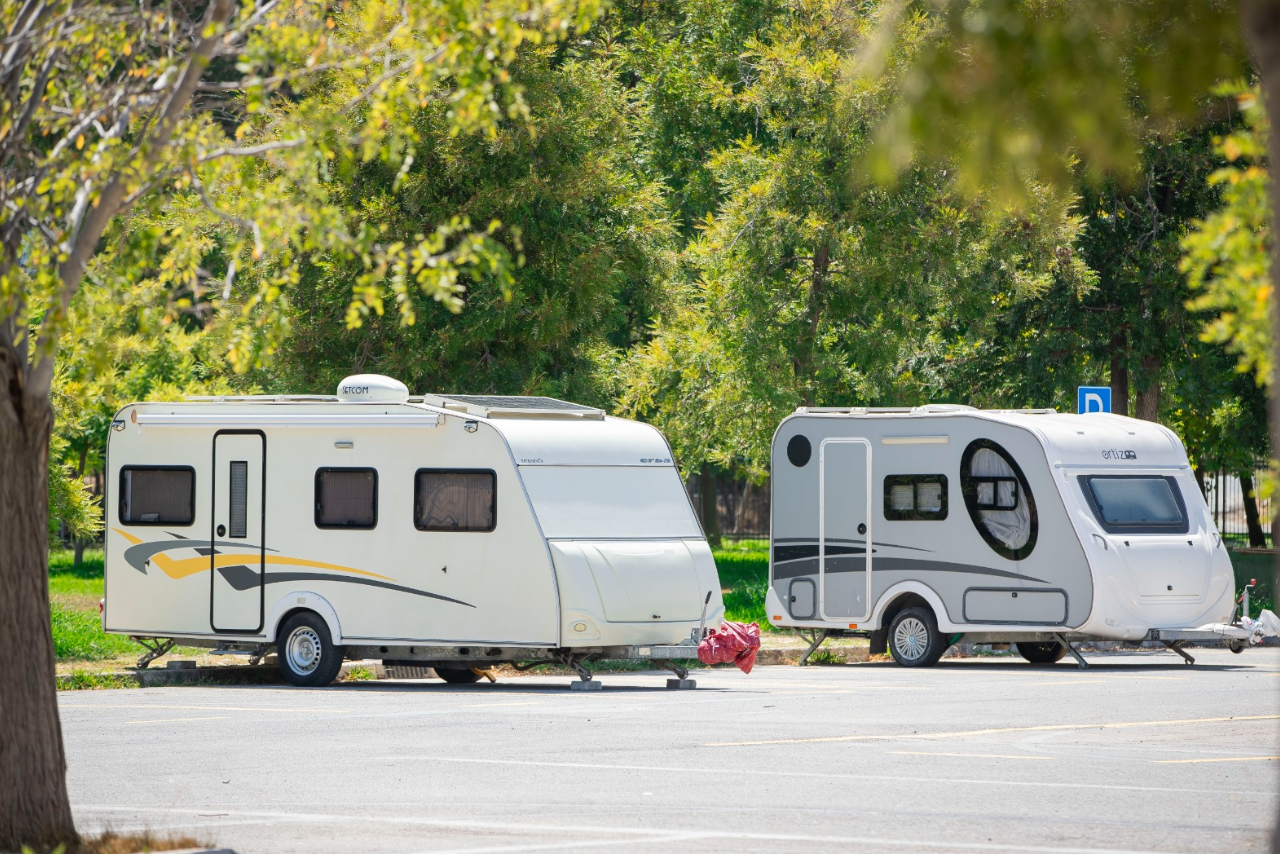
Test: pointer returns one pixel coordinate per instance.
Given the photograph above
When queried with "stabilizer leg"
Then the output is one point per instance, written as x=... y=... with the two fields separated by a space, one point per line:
x=1084 y=665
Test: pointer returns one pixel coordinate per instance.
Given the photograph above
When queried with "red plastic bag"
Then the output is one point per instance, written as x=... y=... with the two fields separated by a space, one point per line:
x=736 y=642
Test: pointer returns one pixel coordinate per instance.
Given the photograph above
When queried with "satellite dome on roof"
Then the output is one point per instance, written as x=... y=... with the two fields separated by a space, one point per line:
x=372 y=388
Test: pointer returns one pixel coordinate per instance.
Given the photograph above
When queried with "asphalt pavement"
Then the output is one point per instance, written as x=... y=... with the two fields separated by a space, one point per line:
x=1138 y=754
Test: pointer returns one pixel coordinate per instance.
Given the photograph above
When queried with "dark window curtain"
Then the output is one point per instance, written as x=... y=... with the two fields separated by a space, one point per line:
x=455 y=501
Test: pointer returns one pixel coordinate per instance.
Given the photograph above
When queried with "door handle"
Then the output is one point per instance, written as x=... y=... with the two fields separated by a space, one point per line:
x=1102 y=540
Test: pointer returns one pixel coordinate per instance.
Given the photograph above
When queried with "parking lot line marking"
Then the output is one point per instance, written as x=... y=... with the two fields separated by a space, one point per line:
x=992 y=731
x=1224 y=759
x=191 y=708
x=814 y=775
x=1082 y=680
x=178 y=720
x=970 y=755
x=647 y=834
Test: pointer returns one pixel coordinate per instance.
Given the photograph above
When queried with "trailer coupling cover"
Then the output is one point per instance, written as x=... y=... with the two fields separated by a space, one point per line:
x=732 y=642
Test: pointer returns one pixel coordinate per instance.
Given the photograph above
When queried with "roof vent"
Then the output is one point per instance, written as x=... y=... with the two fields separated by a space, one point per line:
x=372 y=388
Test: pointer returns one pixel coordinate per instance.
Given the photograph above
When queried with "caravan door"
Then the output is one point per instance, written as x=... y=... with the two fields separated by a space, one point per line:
x=844 y=529
x=237 y=553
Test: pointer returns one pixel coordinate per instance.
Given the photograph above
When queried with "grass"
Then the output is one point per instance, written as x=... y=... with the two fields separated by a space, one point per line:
x=744 y=579
x=110 y=842
x=74 y=594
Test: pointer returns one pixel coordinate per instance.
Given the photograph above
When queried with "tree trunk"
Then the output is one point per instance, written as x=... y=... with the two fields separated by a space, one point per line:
x=710 y=512
x=742 y=508
x=1257 y=539
x=1260 y=20
x=1148 y=408
x=1120 y=373
x=80 y=543
x=34 y=809
x=1204 y=492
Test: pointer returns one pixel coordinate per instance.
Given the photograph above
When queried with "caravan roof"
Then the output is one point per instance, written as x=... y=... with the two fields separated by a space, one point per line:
x=1094 y=440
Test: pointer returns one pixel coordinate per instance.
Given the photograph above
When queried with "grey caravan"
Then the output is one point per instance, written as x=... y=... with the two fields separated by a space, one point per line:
x=920 y=527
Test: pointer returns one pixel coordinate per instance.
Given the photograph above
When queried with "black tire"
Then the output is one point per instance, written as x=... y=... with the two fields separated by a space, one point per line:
x=914 y=639
x=1041 y=652
x=457 y=675
x=306 y=652
x=1236 y=646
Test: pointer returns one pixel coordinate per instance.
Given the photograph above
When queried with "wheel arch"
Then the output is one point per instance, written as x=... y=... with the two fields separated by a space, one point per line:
x=303 y=600
x=904 y=594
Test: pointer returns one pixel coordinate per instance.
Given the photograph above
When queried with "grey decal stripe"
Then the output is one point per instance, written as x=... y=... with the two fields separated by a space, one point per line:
x=809 y=567
x=813 y=542
x=137 y=556
x=241 y=577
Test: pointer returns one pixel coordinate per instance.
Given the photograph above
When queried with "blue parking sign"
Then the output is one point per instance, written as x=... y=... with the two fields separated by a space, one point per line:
x=1093 y=398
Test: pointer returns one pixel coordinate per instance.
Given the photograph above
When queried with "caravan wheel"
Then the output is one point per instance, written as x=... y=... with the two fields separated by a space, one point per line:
x=306 y=652
x=457 y=675
x=1041 y=652
x=914 y=639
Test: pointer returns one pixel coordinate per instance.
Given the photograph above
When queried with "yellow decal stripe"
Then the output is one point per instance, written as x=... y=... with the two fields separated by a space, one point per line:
x=133 y=541
x=192 y=565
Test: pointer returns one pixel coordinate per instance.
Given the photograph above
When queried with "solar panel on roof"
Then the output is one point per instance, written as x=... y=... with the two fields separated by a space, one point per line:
x=505 y=402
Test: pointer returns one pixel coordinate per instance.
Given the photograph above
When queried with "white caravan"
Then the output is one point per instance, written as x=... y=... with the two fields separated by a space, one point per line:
x=449 y=532
x=923 y=527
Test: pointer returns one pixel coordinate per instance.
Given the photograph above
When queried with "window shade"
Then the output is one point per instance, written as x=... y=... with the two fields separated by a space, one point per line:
x=157 y=496
x=454 y=500
x=346 y=498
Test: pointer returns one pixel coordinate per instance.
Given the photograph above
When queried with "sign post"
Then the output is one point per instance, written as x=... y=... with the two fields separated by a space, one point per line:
x=1090 y=398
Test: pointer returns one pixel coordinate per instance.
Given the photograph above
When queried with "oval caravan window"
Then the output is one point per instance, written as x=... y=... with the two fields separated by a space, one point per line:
x=998 y=499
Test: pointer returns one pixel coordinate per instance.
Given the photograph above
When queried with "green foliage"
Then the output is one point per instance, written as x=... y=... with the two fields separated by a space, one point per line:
x=78 y=636
x=804 y=288
x=77 y=627
x=1228 y=252
x=744 y=581
x=218 y=198
x=595 y=237
x=1011 y=89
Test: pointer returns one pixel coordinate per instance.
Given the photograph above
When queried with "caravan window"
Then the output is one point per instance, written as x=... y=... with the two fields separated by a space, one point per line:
x=346 y=498
x=1136 y=504
x=999 y=499
x=996 y=493
x=915 y=497
x=455 y=500
x=157 y=495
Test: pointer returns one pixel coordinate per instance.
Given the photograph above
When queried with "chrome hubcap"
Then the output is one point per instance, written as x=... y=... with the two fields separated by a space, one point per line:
x=303 y=649
x=911 y=638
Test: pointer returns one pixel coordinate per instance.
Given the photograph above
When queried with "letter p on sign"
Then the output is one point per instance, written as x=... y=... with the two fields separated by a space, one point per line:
x=1093 y=399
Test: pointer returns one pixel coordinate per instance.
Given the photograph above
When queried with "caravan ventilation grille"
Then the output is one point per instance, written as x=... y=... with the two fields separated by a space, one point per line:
x=525 y=403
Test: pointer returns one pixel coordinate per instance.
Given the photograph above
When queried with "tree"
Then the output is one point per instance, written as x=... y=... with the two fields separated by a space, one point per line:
x=595 y=238
x=807 y=288
x=196 y=144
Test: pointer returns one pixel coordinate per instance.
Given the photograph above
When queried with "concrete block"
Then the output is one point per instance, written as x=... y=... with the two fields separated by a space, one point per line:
x=682 y=684
x=180 y=665
x=579 y=685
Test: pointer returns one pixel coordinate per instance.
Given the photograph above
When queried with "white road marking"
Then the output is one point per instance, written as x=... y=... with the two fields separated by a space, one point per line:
x=178 y=720
x=649 y=835
x=970 y=755
x=993 y=731
x=1223 y=759
x=892 y=778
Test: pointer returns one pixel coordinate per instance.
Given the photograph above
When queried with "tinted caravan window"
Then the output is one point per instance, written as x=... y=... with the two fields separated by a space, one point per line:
x=454 y=500
x=156 y=495
x=346 y=498
x=915 y=497
x=1136 y=504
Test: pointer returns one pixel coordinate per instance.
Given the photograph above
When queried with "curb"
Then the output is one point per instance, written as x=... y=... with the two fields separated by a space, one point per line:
x=228 y=674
